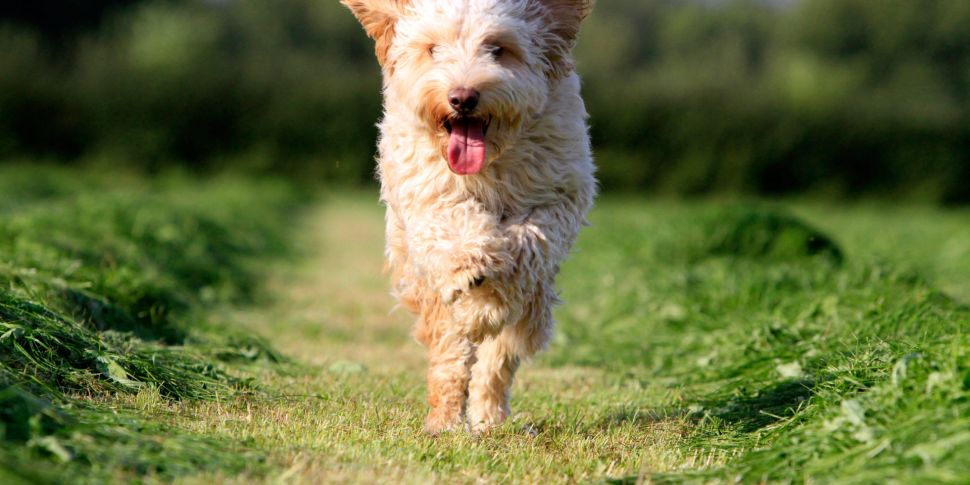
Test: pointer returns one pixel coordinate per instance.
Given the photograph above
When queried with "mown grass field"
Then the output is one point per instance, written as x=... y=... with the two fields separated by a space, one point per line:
x=234 y=331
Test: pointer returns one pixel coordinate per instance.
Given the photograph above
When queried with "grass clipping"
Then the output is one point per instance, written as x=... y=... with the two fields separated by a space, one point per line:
x=788 y=358
x=103 y=291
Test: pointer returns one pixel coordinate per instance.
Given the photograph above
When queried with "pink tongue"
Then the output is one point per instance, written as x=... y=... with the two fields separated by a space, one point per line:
x=466 y=148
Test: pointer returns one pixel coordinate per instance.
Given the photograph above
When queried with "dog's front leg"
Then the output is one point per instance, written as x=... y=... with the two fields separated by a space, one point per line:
x=496 y=361
x=540 y=240
x=450 y=355
x=461 y=255
x=543 y=237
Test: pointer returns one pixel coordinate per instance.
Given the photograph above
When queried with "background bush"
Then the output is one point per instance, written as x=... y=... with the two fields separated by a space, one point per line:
x=832 y=98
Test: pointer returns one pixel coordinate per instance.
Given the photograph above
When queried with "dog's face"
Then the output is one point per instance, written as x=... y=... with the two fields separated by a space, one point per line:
x=473 y=72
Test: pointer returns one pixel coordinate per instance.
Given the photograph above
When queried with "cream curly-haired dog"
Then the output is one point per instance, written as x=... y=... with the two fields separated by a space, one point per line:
x=487 y=176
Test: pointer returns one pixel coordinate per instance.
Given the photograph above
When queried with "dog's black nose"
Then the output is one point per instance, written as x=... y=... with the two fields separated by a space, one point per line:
x=463 y=100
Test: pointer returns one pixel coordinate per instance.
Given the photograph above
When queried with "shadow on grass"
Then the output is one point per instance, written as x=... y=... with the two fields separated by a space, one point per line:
x=146 y=318
x=640 y=417
x=754 y=411
x=749 y=413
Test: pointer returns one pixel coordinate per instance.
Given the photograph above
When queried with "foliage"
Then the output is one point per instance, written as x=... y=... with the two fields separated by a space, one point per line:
x=833 y=97
x=830 y=97
x=201 y=84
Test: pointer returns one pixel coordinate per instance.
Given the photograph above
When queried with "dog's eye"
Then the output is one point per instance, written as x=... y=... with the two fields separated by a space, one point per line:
x=496 y=51
x=433 y=50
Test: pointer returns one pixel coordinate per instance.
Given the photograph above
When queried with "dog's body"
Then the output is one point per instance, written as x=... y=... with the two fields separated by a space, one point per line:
x=487 y=176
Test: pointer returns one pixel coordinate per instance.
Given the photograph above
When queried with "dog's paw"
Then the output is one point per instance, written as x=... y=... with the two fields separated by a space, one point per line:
x=483 y=419
x=471 y=273
x=481 y=429
x=482 y=313
x=439 y=422
x=483 y=298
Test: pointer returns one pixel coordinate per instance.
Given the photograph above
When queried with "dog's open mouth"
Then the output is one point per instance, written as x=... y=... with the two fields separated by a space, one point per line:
x=466 y=144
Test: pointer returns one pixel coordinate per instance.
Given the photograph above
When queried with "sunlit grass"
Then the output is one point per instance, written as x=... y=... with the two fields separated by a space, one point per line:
x=105 y=287
x=699 y=342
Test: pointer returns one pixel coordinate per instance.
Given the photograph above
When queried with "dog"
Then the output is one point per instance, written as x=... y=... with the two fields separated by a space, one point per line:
x=487 y=176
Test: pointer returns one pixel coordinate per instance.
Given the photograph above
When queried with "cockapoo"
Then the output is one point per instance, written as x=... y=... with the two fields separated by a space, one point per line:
x=487 y=176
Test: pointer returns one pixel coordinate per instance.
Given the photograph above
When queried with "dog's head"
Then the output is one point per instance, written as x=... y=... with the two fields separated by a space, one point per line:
x=473 y=72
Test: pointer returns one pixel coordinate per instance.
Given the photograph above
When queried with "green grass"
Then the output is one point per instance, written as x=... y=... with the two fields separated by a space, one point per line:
x=106 y=291
x=700 y=342
x=785 y=362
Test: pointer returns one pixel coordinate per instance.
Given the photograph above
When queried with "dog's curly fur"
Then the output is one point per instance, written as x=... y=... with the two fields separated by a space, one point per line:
x=475 y=256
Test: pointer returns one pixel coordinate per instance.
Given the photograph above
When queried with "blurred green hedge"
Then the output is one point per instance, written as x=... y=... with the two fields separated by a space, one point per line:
x=286 y=85
x=834 y=98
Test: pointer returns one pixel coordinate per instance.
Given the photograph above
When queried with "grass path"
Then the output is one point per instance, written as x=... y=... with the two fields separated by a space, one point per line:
x=353 y=409
x=334 y=306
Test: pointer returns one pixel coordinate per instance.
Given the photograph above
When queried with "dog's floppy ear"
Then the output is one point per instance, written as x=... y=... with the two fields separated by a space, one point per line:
x=564 y=18
x=378 y=18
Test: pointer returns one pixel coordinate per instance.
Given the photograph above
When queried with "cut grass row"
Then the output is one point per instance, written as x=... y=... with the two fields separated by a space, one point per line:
x=787 y=357
x=106 y=287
